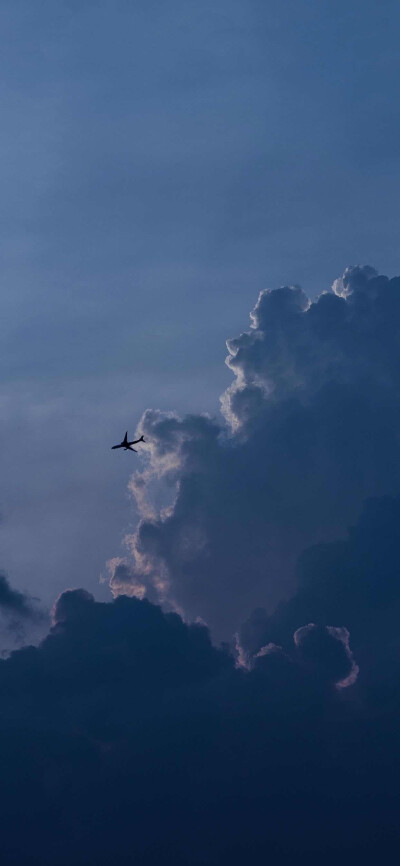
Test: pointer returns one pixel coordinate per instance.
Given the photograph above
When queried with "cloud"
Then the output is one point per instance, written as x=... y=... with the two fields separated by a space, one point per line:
x=12 y=601
x=17 y=608
x=353 y=582
x=327 y=650
x=125 y=732
x=310 y=432
x=127 y=735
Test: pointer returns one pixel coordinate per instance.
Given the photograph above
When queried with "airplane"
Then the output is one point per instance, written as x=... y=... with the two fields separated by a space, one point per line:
x=127 y=445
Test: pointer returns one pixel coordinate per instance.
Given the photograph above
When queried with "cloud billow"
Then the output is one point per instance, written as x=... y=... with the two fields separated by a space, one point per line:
x=310 y=433
x=353 y=581
x=129 y=734
x=125 y=733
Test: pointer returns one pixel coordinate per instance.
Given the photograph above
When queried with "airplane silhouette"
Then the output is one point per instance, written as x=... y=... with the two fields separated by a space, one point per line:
x=127 y=445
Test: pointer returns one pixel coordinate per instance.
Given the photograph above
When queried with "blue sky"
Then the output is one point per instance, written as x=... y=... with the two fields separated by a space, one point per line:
x=161 y=164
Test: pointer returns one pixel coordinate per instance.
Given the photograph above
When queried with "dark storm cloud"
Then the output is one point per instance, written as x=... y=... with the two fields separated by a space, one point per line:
x=131 y=728
x=127 y=737
x=311 y=431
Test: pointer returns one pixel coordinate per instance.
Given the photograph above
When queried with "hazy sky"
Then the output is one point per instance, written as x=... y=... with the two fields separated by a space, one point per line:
x=160 y=164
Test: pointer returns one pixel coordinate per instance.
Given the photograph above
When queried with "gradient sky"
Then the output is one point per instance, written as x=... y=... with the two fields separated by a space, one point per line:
x=161 y=163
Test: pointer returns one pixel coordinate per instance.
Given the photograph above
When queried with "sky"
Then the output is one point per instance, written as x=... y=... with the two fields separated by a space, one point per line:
x=162 y=164
x=199 y=212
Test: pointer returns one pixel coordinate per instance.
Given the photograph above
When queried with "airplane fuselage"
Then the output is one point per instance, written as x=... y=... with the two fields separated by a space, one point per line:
x=127 y=446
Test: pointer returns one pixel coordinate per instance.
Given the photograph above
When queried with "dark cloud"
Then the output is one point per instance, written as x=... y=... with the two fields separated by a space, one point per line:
x=14 y=602
x=327 y=651
x=353 y=581
x=130 y=737
x=127 y=737
x=311 y=432
x=17 y=608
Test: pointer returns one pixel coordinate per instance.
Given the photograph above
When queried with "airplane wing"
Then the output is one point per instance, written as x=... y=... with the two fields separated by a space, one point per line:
x=126 y=438
x=132 y=449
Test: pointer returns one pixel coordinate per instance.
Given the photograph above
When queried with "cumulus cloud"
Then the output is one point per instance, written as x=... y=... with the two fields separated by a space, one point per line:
x=353 y=582
x=129 y=734
x=125 y=733
x=310 y=432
